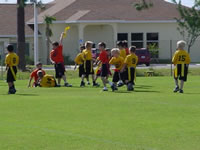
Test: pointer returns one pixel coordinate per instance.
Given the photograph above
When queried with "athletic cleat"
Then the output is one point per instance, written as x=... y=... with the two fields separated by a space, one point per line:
x=113 y=87
x=116 y=88
x=96 y=84
x=88 y=83
x=105 y=89
x=12 y=91
x=82 y=84
x=180 y=91
x=176 y=89
x=67 y=85
x=120 y=84
x=58 y=85
x=130 y=87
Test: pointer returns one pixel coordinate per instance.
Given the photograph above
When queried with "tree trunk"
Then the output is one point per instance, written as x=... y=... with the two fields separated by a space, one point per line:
x=21 y=35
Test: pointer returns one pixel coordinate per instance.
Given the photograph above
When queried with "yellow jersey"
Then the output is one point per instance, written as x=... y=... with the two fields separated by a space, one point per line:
x=12 y=59
x=117 y=62
x=79 y=59
x=122 y=53
x=131 y=60
x=48 y=81
x=87 y=54
x=181 y=57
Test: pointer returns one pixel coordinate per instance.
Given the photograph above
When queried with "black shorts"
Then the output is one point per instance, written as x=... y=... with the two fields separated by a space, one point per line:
x=129 y=74
x=117 y=76
x=81 y=70
x=60 y=70
x=10 y=77
x=88 y=67
x=104 y=70
x=181 y=72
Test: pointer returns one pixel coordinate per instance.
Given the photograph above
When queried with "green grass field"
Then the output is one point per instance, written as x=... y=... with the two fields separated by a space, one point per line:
x=150 y=118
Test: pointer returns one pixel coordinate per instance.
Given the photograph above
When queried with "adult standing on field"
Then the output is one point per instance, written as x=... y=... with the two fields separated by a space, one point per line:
x=56 y=57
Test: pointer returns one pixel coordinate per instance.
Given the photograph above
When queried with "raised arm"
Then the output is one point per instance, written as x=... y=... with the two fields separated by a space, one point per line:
x=61 y=38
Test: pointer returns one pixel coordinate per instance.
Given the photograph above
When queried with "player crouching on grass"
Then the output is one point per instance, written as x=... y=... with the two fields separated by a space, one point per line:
x=88 y=63
x=34 y=75
x=45 y=80
x=56 y=57
x=118 y=62
x=130 y=68
x=181 y=60
x=11 y=61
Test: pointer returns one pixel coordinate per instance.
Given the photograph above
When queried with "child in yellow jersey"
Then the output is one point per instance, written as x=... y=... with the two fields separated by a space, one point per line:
x=11 y=61
x=79 y=61
x=88 y=63
x=45 y=80
x=120 y=45
x=181 y=60
x=130 y=68
x=118 y=62
x=122 y=50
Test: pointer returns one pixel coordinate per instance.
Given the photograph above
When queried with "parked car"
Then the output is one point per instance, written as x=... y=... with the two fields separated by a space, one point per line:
x=144 y=56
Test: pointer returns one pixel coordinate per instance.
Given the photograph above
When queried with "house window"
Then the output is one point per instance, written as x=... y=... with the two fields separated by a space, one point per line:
x=27 y=47
x=137 y=39
x=153 y=44
x=153 y=40
x=122 y=36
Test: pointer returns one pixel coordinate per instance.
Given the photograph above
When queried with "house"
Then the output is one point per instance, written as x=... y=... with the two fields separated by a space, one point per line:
x=108 y=21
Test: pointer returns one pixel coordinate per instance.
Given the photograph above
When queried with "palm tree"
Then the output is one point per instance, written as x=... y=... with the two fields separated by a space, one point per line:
x=21 y=34
x=48 y=21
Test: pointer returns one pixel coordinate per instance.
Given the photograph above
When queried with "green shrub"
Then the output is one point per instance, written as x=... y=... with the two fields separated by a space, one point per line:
x=68 y=60
x=29 y=60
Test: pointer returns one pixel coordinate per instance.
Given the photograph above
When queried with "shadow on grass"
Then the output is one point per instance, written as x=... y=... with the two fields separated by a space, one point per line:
x=27 y=94
x=122 y=91
x=191 y=93
x=143 y=86
x=146 y=91
x=20 y=94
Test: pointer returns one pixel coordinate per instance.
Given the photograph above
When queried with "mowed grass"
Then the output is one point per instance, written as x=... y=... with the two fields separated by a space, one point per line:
x=150 y=118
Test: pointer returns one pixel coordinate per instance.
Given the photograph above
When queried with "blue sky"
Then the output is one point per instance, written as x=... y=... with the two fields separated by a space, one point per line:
x=185 y=2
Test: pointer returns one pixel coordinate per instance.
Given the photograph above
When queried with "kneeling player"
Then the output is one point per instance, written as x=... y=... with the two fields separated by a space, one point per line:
x=34 y=75
x=45 y=80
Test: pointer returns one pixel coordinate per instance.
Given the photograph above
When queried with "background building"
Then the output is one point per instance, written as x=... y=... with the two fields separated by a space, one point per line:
x=100 y=20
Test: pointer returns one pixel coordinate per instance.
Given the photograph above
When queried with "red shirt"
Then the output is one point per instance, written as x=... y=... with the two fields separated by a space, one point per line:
x=34 y=74
x=103 y=57
x=127 y=51
x=57 y=54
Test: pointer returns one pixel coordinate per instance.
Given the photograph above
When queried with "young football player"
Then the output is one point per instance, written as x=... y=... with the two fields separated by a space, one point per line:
x=56 y=57
x=181 y=60
x=79 y=61
x=34 y=75
x=88 y=63
x=129 y=68
x=118 y=62
x=11 y=61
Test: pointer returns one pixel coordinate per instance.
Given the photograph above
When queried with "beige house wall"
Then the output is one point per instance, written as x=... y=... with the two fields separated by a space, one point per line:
x=70 y=43
x=167 y=32
x=108 y=33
